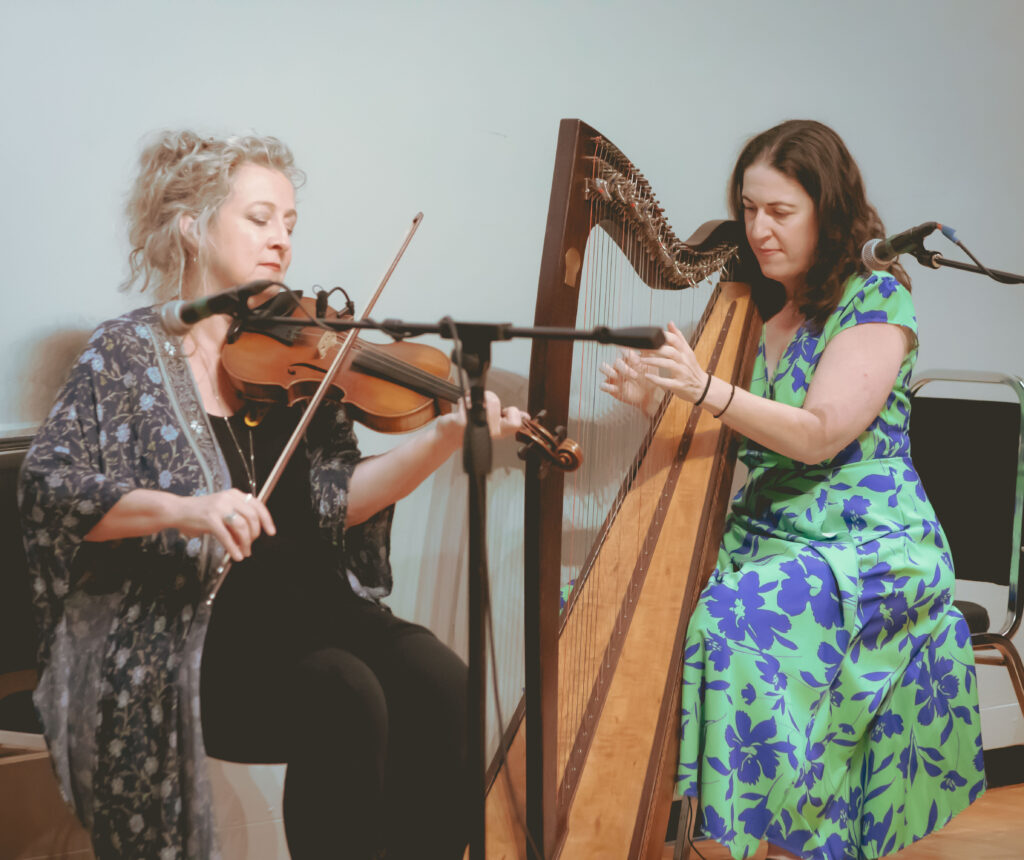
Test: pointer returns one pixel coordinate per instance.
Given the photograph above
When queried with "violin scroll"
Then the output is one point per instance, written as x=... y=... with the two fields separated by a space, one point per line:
x=555 y=448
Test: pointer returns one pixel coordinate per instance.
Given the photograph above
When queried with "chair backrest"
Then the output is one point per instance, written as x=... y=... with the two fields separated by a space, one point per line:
x=17 y=628
x=17 y=625
x=970 y=456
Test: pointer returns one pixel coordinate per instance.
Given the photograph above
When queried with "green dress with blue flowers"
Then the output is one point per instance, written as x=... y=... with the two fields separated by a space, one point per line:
x=829 y=701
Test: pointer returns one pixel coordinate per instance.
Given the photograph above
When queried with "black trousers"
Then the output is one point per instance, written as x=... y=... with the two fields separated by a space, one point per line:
x=368 y=711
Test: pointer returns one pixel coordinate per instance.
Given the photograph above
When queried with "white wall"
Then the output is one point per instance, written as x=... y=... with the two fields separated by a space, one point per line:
x=453 y=108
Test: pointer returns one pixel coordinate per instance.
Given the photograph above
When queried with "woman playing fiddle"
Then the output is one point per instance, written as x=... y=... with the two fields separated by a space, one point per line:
x=828 y=701
x=142 y=476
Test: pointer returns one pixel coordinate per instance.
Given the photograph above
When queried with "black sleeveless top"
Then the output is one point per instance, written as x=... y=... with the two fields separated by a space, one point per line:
x=293 y=568
x=244 y=446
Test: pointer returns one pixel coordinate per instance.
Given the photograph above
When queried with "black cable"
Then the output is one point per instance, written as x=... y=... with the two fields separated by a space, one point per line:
x=294 y=295
x=686 y=829
x=950 y=234
x=323 y=296
x=981 y=265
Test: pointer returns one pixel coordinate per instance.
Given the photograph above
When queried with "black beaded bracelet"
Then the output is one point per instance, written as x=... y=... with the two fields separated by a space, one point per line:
x=727 y=402
x=704 y=393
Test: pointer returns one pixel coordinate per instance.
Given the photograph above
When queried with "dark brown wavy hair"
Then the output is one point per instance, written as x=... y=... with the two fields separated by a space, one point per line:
x=816 y=157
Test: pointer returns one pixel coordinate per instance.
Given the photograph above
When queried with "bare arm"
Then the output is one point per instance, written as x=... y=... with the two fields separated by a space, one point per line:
x=381 y=481
x=236 y=519
x=849 y=388
x=233 y=517
x=847 y=392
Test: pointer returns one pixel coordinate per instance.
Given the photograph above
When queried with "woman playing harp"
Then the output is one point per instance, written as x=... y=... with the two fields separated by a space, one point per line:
x=828 y=700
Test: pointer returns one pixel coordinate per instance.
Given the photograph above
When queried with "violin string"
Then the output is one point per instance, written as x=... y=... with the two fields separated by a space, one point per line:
x=375 y=358
x=400 y=371
x=404 y=373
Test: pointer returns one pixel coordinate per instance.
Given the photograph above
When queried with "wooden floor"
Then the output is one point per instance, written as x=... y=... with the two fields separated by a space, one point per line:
x=990 y=829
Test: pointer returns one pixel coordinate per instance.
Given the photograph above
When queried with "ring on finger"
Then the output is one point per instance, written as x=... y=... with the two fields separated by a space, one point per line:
x=230 y=518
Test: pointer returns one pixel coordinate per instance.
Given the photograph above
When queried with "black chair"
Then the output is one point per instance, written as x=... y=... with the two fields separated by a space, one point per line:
x=970 y=456
x=17 y=626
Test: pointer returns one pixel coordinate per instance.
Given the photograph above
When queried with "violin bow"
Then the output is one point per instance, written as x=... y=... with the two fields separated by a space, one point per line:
x=314 y=402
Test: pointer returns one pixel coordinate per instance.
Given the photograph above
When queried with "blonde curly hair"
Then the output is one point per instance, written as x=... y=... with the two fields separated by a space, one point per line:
x=181 y=173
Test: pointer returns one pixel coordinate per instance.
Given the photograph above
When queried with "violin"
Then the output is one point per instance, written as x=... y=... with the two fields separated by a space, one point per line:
x=390 y=388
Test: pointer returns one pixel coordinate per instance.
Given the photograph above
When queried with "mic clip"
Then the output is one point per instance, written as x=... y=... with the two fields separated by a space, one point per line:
x=926 y=257
x=248 y=319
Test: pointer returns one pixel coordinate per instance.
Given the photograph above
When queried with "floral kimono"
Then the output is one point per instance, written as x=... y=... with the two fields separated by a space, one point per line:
x=122 y=623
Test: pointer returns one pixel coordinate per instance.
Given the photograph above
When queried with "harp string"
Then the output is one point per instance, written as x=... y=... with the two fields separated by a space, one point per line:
x=566 y=516
x=612 y=291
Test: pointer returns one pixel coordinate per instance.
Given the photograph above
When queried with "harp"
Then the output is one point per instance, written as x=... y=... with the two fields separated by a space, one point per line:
x=617 y=552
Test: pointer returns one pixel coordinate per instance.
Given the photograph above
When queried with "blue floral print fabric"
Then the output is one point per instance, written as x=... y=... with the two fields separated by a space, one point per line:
x=829 y=703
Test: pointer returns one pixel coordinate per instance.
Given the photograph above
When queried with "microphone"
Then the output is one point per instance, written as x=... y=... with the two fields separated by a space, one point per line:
x=641 y=337
x=177 y=317
x=879 y=253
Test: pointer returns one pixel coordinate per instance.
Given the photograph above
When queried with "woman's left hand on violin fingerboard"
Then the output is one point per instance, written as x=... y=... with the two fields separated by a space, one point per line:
x=381 y=481
x=502 y=421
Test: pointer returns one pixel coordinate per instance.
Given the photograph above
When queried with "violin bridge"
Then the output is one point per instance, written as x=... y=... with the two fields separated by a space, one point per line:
x=327 y=342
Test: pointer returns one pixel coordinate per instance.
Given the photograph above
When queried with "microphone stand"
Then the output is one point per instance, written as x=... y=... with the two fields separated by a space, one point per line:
x=935 y=260
x=473 y=353
x=476 y=460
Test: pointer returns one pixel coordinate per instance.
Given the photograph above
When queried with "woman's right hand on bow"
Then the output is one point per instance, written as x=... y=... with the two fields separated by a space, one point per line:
x=234 y=518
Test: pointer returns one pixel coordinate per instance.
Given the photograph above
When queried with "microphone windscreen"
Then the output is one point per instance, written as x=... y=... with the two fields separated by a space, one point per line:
x=170 y=318
x=641 y=337
x=868 y=257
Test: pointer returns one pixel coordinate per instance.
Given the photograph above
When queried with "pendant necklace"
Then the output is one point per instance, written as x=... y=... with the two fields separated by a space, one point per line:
x=250 y=465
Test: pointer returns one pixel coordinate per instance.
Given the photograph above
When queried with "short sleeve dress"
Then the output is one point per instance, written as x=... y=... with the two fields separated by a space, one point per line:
x=829 y=701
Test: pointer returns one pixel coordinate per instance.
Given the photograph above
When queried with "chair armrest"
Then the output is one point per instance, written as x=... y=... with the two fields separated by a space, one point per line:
x=984 y=376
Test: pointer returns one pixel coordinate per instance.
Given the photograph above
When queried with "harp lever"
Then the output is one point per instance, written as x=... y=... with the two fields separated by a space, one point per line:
x=554 y=448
